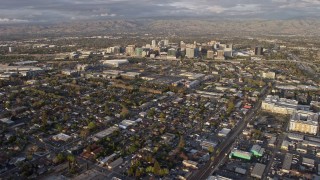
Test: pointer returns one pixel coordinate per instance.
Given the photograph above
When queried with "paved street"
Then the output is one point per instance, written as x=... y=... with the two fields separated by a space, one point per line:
x=226 y=147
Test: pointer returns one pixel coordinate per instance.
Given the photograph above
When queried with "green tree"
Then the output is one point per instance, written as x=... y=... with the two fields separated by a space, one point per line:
x=60 y=158
x=7 y=104
x=84 y=133
x=212 y=158
x=211 y=149
x=71 y=161
x=59 y=127
x=181 y=143
x=149 y=169
x=107 y=110
x=156 y=168
x=231 y=106
x=44 y=118
x=151 y=112
x=91 y=125
x=65 y=116
x=124 y=112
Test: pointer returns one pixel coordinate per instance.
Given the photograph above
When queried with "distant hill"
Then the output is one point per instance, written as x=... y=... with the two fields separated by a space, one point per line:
x=185 y=26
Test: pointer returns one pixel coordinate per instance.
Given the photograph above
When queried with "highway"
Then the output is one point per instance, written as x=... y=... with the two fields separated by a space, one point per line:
x=227 y=146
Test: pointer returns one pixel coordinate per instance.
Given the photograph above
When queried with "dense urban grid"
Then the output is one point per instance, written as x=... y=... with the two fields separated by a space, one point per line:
x=138 y=106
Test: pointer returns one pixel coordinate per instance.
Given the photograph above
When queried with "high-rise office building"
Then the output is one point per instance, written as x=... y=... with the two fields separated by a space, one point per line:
x=220 y=53
x=258 y=51
x=166 y=42
x=190 y=52
x=182 y=45
x=130 y=50
x=172 y=52
x=153 y=43
x=210 y=54
x=138 y=52
x=228 y=50
x=145 y=53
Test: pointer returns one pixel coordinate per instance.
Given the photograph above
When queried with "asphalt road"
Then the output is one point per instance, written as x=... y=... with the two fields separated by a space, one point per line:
x=226 y=147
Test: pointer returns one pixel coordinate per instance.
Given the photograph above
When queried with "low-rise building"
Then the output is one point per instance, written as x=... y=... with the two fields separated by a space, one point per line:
x=308 y=162
x=295 y=137
x=285 y=145
x=61 y=137
x=241 y=154
x=106 y=132
x=268 y=75
x=127 y=123
x=115 y=163
x=256 y=150
x=286 y=166
x=240 y=171
x=224 y=132
x=190 y=164
x=258 y=170
x=208 y=145
x=272 y=141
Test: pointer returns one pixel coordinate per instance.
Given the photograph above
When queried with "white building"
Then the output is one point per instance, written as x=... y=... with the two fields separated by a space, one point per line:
x=190 y=52
x=304 y=122
x=279 y=105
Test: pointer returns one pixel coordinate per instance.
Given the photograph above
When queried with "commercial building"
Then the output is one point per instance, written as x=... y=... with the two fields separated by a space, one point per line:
x=279 y=105
x=190 y=164
x=172 y=52
x=224 y=132
x=190 y=52
x=286 y=166
x=256 y=150
x=285 y=145
x=106 y=132
x=240 y=154
x=228 y=50
x=130 y=50
x=258 y=51
x=28 y=71
x=295 y=137
x=268 y=75
x=168 y=137
x=61 y=137
x=153 y=43
x=272 y=141
x=210 y=54
x=240 y=171
x=218 y=177
x=138 y=52
x=304 y=122
x=107 y=159
x=115 y=163
x=166 y=42
x=308 y=162
x=127 y=123
x=220 y=55
x=115 y=62
x=258 y=170
x=208 y=145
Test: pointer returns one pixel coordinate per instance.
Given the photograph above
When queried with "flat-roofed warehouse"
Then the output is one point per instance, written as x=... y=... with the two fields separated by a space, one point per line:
x=258 y=170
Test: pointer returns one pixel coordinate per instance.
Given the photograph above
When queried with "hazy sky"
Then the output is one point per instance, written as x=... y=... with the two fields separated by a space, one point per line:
x=15 y=11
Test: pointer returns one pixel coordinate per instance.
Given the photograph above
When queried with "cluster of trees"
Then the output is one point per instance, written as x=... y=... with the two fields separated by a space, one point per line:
x=153 y=167
x=230 y=106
